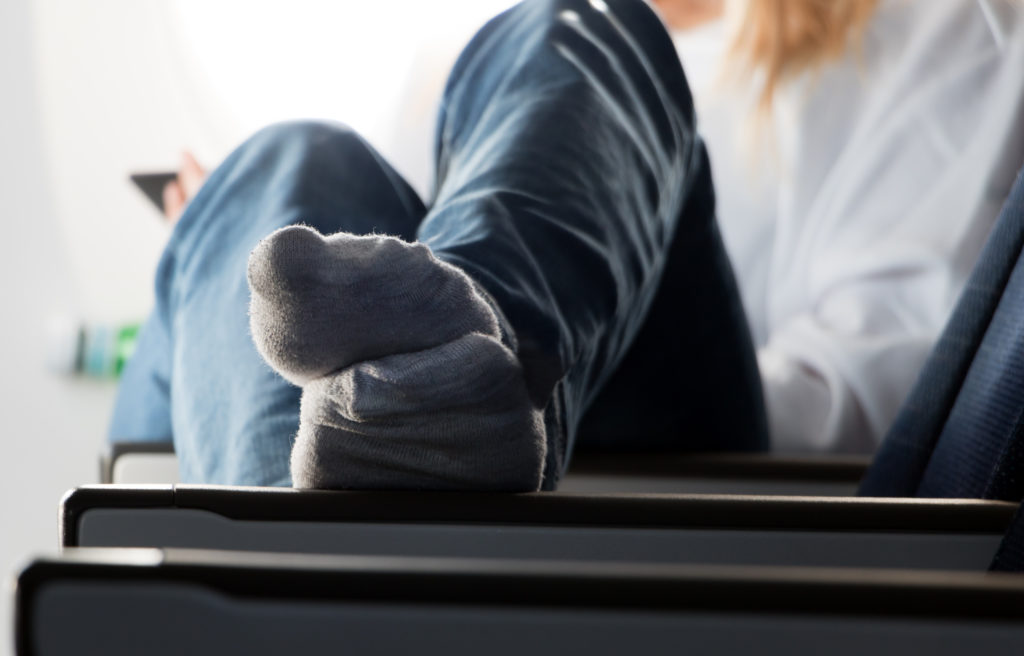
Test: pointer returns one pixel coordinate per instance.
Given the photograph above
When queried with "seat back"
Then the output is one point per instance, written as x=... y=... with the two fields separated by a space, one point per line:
x=181 y=602
x=1010 y=557
x=958 y=433
x=752 y=530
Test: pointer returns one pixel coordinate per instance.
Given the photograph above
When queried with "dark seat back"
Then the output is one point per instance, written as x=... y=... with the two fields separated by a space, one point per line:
x=959 y=431
x=219 y=602
x=1010 y=557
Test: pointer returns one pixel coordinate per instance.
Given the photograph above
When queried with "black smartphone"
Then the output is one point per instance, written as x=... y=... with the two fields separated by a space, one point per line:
x=152 y=185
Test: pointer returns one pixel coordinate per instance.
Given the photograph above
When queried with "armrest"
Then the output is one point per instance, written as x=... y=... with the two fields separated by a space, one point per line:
x=725 y=473
x=716 y=473
x=147 y=454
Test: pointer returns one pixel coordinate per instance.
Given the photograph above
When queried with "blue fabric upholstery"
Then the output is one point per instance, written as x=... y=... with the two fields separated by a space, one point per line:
x=959 y=431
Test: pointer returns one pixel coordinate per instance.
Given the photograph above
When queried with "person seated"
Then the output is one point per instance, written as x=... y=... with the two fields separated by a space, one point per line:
x=861 y=151
x=567 y=276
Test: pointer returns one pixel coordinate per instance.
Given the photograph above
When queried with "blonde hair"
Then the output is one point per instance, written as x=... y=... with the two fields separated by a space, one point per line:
x=774 y=41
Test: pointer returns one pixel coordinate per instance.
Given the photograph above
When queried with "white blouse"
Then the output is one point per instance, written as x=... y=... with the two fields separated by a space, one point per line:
x=853 y=225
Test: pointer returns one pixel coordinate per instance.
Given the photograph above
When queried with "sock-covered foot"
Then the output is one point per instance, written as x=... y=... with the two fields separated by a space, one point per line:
x=453 y=417
x=320 y=304
x=406 y=383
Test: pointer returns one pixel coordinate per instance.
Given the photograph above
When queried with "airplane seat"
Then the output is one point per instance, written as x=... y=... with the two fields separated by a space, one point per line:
x=958 y=433
x=215 y=602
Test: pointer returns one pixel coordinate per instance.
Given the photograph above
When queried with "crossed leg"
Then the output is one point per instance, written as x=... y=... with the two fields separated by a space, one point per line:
x=568 y=173
x=196 y=375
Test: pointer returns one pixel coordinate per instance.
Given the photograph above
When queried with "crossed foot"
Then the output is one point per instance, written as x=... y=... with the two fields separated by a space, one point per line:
x=405 y=381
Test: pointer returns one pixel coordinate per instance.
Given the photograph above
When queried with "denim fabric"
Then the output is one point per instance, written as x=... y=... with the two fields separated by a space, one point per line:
x=196 y=374
x=959 y=431
x=570 y=185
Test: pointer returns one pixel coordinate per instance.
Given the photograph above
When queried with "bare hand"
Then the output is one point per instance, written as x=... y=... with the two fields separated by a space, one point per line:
x=179 y=192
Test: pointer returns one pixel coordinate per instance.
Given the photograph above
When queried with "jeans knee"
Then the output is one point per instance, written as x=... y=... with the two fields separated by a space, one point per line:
x=301 y=144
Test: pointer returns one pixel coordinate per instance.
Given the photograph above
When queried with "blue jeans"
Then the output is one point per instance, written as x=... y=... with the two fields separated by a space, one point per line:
x=571 y=185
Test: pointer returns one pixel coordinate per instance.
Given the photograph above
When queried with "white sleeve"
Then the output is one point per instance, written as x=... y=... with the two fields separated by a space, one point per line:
x=829 y=390
x=875 y=243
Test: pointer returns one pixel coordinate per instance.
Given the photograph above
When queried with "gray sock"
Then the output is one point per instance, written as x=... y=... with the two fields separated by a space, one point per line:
x=320 y=303
x=406 y=383
x=453 y=417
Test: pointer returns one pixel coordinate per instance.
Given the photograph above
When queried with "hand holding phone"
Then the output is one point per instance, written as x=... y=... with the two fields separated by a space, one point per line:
x=171 y=191
x=153 y=184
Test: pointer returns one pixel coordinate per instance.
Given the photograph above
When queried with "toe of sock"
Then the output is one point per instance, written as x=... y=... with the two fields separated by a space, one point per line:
x=320 y=304
x=284 y=263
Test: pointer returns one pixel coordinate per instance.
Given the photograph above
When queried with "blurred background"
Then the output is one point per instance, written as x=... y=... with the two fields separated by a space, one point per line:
x=93 y=91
